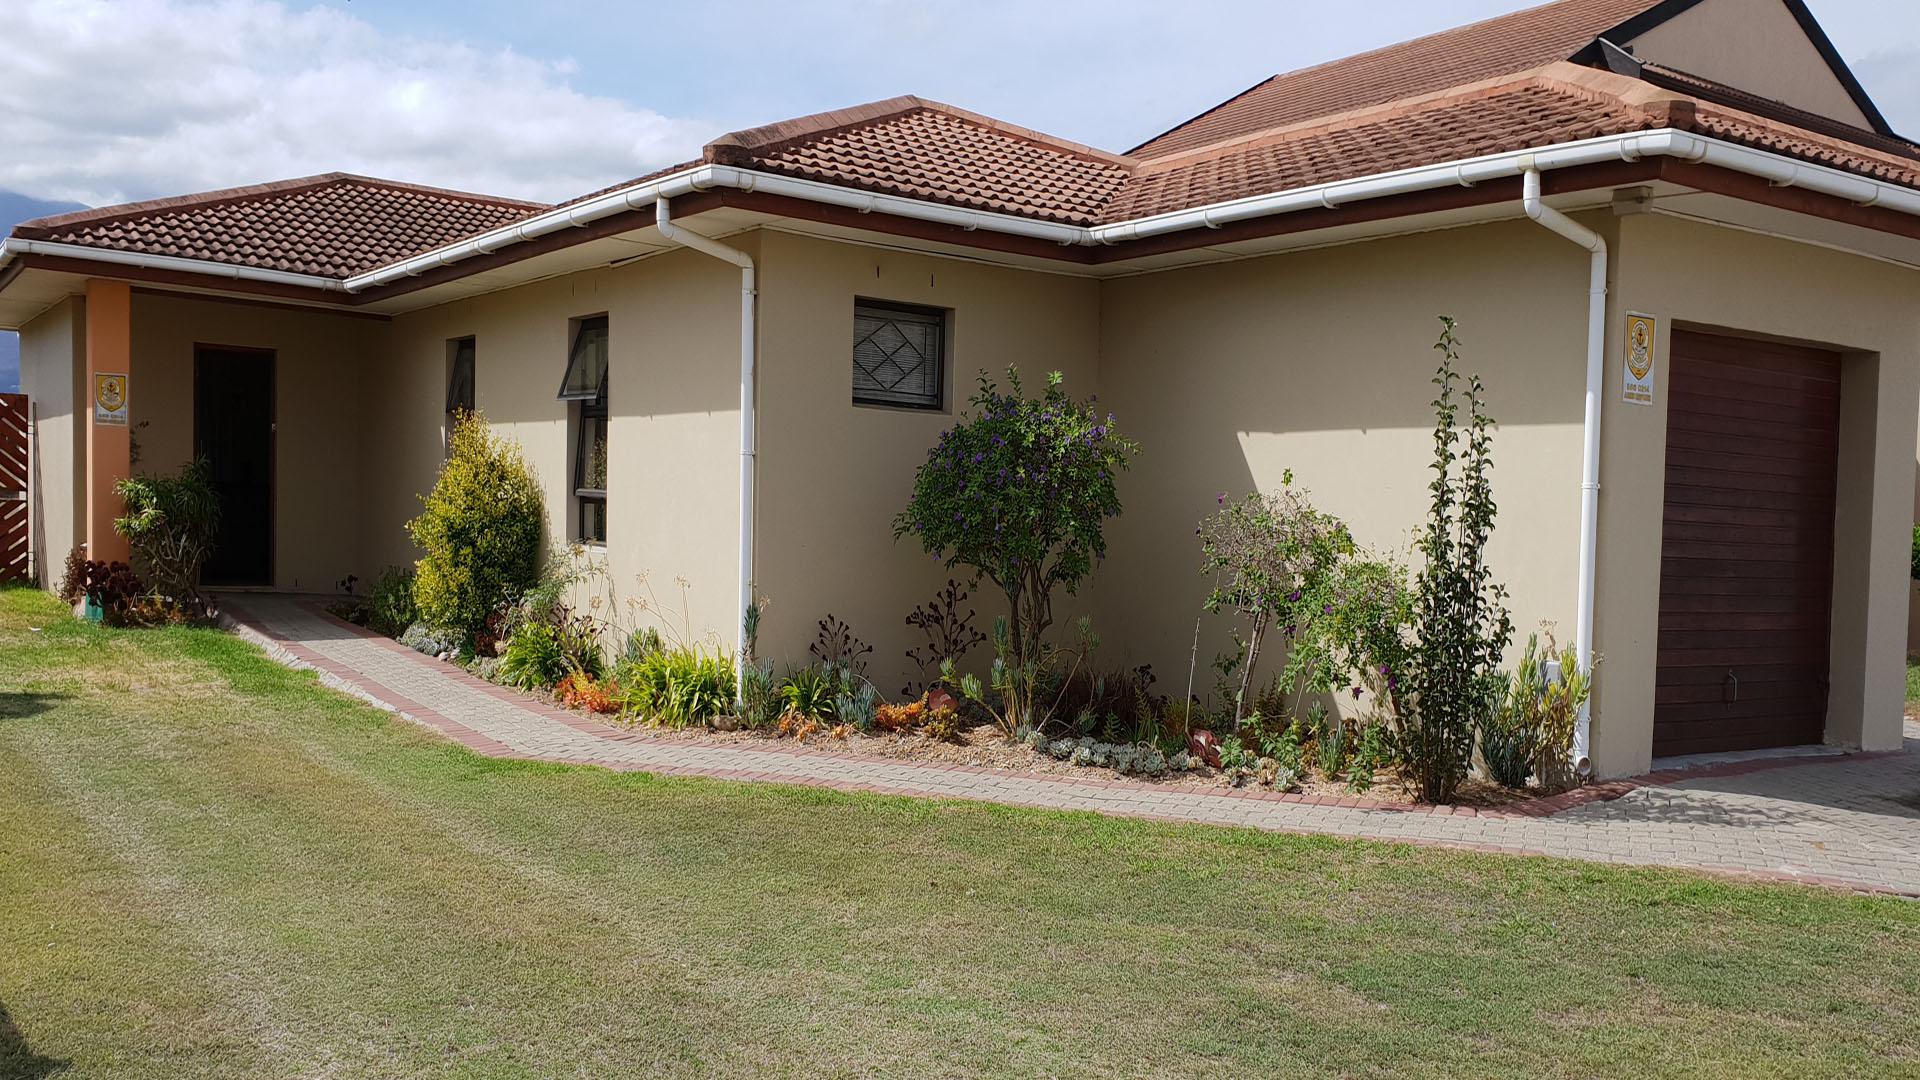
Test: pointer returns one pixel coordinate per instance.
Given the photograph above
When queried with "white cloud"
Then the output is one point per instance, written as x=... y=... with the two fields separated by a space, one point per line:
x=1892 y=78
x=105 y=102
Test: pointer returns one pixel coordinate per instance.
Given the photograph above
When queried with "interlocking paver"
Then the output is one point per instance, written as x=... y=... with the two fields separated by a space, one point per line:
x=1851 y=820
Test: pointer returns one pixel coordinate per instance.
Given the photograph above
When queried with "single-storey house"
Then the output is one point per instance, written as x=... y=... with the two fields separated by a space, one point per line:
x=1679 y=238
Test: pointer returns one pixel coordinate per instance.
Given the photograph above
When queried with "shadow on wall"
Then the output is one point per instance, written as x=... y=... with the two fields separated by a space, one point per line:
x=17 y=1060
x=1354 y=425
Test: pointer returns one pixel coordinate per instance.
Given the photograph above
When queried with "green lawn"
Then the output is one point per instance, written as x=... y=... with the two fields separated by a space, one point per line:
x=209 y=866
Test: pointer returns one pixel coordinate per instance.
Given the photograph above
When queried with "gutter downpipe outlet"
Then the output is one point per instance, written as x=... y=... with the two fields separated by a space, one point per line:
x=1590 y=451
x=706 y=245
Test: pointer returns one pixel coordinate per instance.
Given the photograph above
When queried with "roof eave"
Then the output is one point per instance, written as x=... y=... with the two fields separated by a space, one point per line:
x=1778 y=171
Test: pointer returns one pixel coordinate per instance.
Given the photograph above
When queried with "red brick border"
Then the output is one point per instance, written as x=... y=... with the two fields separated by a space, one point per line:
x=481 y=744
x=1545 y=806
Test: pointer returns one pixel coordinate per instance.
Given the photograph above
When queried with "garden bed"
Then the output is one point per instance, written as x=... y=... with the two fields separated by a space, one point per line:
x=983 y=746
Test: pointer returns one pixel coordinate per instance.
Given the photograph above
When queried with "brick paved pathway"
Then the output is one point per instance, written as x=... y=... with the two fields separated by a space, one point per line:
x=1851 y=821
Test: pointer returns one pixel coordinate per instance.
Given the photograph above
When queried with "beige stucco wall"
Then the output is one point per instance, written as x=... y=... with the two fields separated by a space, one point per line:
x=319 y=403
x=1720 y=279
x=1755 y=45
x=52 y=374
x=1320 y=362
x=833 y=475
x=673 y=434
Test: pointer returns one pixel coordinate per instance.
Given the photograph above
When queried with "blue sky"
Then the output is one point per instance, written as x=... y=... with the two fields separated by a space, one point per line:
x=106 y=102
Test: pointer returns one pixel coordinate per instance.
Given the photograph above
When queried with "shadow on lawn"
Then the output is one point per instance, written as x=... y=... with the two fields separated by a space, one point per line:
x=17 y=1062
x=19 y=705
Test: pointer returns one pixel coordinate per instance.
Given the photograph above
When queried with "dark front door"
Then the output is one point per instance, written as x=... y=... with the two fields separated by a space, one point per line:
x=1746 y=566
x=233 y=431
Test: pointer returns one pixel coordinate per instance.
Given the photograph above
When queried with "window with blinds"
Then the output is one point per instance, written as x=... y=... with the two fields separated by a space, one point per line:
x=899 y=355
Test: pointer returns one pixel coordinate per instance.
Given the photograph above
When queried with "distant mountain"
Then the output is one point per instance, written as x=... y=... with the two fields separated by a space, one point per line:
x=15 y=209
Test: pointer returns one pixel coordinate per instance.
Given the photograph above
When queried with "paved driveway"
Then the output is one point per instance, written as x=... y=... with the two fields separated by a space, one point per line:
x=1850 y=821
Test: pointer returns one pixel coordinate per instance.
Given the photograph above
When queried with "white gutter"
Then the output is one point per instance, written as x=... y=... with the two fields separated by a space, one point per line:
x=705 y=178
x=706 y=245
x=15 y=246
x=1590 y=443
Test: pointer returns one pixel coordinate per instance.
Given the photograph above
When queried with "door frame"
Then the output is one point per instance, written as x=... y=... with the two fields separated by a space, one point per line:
x=273 y=446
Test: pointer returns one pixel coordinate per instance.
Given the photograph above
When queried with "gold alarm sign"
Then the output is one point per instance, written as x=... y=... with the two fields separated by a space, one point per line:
x=110 y=399
x=1636 y=381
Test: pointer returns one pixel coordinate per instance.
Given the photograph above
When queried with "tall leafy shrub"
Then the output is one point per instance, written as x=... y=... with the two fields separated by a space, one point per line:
x=479 y=529
x=1018 y=491
x=1459 y=609
x=170 y=525
x=1274 y=560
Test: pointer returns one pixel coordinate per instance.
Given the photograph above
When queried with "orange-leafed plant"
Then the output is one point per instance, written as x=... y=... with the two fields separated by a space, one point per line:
x=578 y=690
x=901 y=717
x=799 y=726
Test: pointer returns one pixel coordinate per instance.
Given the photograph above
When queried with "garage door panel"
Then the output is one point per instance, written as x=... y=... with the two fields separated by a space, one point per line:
x=1814 y=416
x=1746 y=517
x=1709 y=497
x=1766 y=638
x=1681 y=583
x=1746 y=568
x=1790 y=616
x=1809 y=676
x=1785 y=385
x=1719 y=692
x=1702 y=426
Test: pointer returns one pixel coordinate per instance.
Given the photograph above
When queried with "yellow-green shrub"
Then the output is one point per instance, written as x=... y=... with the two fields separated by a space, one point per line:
x=479 y=529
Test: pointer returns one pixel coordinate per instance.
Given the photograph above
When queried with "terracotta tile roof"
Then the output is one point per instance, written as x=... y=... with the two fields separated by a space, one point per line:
x=611 y=188
x=926 y=150
x=1502 y=85
x=333 y=225
x=1720 y=93
x=1524 y=113
x=1765 y=133
x=1466 y=54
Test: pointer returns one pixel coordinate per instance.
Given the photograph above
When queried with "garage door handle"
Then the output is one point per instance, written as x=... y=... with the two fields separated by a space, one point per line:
x=1734 y=681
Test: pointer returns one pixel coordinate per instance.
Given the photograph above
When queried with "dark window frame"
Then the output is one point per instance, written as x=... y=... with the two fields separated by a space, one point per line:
x=588 y=414
x=579 y=339
x=939 y=320
x=461 y=378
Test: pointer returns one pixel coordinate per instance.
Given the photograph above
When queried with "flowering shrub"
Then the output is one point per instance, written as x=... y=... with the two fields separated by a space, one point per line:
x=1019 y=491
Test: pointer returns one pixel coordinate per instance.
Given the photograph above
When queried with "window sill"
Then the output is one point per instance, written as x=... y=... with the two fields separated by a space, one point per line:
x=898 y=406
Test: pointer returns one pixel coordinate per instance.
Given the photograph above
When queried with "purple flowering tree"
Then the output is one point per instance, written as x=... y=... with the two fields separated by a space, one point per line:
x=1018 y=492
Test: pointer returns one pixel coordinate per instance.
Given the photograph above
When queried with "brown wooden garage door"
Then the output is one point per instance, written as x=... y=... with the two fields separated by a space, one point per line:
x=1746 y=561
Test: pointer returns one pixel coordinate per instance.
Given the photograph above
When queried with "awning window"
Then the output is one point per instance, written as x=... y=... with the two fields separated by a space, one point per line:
x=586 y=378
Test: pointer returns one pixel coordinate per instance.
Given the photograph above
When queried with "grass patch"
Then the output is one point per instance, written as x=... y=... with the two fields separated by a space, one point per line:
x=211 y=866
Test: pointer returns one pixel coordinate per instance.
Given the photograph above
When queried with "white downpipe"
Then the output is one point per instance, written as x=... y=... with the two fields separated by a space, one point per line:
x=706 y=245
x=1590 y=448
